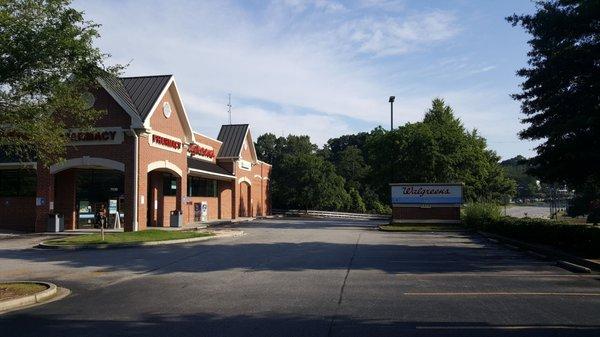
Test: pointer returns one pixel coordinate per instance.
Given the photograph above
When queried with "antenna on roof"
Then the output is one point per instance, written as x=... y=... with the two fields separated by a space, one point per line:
x=229 y=109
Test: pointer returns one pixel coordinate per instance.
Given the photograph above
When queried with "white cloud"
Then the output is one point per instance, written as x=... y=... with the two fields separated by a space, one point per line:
x=396 y=36
x=305 y=66
x=386 y=5
x=319 y=127
x=302 y=5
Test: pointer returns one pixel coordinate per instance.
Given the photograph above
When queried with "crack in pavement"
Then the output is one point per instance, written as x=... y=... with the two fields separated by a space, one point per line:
x=337 y=308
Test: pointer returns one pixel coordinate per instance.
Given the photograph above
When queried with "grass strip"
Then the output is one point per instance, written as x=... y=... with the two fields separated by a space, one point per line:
x=127 y=237
x=10 y=291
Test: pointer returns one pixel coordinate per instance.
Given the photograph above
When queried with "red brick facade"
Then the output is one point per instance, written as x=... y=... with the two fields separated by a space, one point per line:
x=148 y=154
x=433 y=214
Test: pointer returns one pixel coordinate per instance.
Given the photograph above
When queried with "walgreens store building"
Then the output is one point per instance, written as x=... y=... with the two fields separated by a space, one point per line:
x=142 y=161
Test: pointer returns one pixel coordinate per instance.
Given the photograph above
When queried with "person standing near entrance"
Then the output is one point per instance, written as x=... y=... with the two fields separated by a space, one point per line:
x=102 y=212
x=101 y=216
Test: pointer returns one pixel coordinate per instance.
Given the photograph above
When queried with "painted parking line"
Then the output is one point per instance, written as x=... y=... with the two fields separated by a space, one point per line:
x=510 y=327
x=500 y=294
x=497 y=275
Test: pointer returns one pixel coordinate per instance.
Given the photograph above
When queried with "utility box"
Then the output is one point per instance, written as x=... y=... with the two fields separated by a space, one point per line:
x=176 y=219
x=426 y=203
x=56 y=223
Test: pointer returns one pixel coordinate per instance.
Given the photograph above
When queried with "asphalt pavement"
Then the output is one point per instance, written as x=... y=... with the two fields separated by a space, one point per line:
x=297 y=277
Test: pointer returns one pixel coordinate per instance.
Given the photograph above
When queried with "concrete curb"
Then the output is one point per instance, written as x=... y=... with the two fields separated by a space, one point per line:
x=445 y=230
x=227 y=223
x=44 y=245
x=563 y=260
x=25 y=301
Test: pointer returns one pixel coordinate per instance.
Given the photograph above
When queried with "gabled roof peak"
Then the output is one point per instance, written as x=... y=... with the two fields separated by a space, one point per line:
x=143 y=76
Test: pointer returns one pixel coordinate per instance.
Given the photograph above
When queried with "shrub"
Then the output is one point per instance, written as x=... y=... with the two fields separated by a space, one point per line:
x=356 y=204
x=479 y=214
x=379 y=208
x=594 y=216
x=580 y=239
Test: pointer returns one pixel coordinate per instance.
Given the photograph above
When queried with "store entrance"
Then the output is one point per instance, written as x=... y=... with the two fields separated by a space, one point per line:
x=95 y=187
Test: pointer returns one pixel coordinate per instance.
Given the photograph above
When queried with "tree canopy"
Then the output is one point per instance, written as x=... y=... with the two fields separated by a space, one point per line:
x=353 y=172
x=47 y=65
x=559 y=94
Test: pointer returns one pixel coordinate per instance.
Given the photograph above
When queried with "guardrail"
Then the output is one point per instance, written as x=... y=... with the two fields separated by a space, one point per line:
x=327 y=214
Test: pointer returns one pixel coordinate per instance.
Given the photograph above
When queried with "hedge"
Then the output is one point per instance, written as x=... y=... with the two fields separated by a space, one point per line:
x=583 y=240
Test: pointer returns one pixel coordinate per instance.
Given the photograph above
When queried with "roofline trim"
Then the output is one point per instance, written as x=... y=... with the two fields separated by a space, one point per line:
x=158 y=99
x=193 y=170
x=203 y=135
x=186 y=121
x=253 y=150
x=136 y=121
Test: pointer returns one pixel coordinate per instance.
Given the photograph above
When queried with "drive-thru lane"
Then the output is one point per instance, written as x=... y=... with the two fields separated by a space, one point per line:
x=306 y=278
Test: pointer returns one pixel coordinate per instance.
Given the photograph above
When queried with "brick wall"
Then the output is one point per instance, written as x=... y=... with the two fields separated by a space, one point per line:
x=213 y=208
x=225 y=195
x=258 y=176
x=171 y=126
x=64 y=197
x=418 y=213
x=17 y=213
x=64 y=201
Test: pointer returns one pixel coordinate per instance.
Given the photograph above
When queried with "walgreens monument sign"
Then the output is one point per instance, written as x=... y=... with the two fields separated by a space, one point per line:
x=414 y=194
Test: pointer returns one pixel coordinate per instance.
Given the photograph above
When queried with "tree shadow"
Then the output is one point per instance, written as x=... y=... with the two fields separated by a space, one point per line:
x=458 y=255
x=45 y=324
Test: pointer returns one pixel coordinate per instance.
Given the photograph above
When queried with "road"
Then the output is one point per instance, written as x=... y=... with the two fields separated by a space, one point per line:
x=305 y=278
x=529 y=211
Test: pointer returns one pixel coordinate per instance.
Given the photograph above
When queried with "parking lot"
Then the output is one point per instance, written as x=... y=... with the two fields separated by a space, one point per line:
x=299 y=277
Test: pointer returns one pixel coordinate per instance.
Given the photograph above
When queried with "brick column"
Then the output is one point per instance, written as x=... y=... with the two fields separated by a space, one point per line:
x=45 y=195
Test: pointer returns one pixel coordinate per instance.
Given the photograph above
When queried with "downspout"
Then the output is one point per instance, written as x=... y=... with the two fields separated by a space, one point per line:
x=135 y=179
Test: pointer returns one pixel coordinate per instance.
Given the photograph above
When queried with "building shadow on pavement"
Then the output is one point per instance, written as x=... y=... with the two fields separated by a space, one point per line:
x=206 y=325
x=468 y=255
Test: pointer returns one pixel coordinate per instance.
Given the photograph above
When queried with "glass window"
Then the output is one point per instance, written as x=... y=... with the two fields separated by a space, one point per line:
x=169 y=185
x=18 y=183
x=201 y=187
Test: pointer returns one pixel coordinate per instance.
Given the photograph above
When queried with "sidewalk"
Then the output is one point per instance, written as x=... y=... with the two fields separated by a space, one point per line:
x=208 y=224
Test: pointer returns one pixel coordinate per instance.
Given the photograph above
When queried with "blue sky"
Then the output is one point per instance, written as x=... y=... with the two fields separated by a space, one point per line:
x=326 y=68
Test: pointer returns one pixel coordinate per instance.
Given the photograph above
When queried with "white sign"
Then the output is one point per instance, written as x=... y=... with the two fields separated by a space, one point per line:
x=112 y=206
x=96 y=136
x=245 y=165
x=424 y=194
x=204 y=211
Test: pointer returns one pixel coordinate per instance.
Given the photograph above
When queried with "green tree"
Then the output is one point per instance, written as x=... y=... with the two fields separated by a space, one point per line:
x=47 y=64
x=560 y=91
x=351 y=166
x=300 y=177
x=311 y=183
x=357 y=205
x=269 y=148
x=527 y=185
x=437 y=150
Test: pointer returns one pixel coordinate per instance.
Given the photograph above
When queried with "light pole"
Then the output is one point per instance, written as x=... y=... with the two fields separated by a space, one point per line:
x=392 y=98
